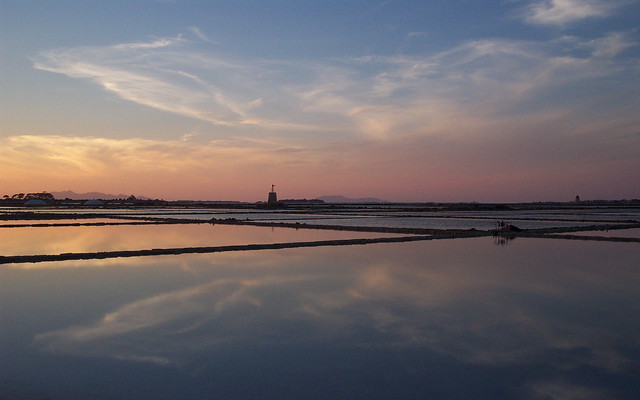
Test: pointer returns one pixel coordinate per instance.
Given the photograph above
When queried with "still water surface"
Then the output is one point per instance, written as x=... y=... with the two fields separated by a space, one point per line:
x=79 y=239
x=625 y=233
x=442 y=319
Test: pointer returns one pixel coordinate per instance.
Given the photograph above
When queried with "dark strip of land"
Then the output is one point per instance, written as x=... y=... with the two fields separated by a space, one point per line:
x=191 y=250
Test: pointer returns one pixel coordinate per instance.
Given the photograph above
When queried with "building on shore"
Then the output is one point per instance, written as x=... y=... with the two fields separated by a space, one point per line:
x=273 y=197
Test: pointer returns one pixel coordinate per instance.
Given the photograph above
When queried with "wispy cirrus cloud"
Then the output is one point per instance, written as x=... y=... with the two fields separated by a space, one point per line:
x=166 y=74
x=378 y=97
x=611 y=45
x=479 y=82
x=158 y=43
x=201 y=35
x=560 y=12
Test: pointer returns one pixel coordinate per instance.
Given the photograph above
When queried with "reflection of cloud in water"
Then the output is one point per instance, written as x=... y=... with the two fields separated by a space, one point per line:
x=478 y=307
x=160 y=318
x=79 y=239
x=564 y=391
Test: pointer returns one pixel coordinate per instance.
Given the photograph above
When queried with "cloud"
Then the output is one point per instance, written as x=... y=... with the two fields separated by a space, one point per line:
x=412 y=35
x=476 y=83
x=560 y=12
x=377 y=97
x=165 y=74
x=201 y=35
x=477 y=102
x=159 y=43
x=610 y=45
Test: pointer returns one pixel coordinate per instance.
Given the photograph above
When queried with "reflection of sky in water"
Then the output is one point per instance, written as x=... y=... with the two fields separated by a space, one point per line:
x=396 y=210
x=55 y=240
x=395 y=216
x=447 y=319
x=384 y=222
x=64 y=221
x=426 y=220
x=435 y=223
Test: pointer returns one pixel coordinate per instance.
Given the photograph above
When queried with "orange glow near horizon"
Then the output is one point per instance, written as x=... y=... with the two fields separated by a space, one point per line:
x=179 y=170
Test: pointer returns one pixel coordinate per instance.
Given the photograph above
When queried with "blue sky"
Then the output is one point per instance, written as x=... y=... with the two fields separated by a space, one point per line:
x=408 y=101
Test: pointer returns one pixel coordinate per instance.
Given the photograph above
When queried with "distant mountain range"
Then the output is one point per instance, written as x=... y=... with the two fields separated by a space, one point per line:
x=68 y=194
x=342 y=199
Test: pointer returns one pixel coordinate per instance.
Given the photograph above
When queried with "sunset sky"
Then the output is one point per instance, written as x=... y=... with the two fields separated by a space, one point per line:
x=433 y=100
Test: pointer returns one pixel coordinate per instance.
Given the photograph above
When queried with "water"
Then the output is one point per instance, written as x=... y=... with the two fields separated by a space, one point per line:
x=63 y=221
x=626 y=233
x=430 y=223
x=384 y=216
x=437 y=319
x=81 y=239
x=444 y=319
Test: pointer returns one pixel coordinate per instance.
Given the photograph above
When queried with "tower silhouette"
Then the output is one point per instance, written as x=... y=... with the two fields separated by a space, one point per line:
x=273 y=198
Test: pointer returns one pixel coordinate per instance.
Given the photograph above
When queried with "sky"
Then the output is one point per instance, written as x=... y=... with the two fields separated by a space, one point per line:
x=408 y=101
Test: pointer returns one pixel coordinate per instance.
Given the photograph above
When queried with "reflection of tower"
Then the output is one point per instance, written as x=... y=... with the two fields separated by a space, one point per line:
x=273 y=198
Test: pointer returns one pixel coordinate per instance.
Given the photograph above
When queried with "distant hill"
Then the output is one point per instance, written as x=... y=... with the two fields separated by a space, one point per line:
x=68 y=194
x=342 y=199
